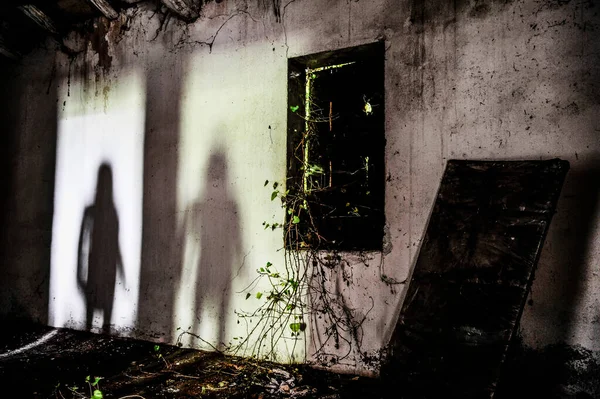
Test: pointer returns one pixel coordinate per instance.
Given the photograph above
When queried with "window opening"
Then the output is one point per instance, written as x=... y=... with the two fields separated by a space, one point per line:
x=336 y=149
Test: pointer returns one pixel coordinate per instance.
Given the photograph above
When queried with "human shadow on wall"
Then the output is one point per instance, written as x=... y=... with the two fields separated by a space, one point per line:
x=98 y=254
x=214 y=220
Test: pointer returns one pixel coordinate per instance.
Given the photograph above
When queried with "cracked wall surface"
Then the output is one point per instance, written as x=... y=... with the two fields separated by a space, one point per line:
x=158 y=97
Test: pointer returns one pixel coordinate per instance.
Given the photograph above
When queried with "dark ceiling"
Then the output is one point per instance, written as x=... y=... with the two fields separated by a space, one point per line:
x=25 y=23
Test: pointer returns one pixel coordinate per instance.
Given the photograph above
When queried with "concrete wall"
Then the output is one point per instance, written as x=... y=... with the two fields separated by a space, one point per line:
x=191 y=119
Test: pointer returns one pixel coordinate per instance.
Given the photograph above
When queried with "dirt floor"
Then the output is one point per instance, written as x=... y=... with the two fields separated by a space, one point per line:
x=41 y=362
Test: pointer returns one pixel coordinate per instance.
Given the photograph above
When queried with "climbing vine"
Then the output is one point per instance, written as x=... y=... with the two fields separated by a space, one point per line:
x=299 y=290
x=308 y=285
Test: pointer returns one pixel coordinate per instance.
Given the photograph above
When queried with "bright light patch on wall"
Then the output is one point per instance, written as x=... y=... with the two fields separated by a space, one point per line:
x=97 y=225
x=233 y=138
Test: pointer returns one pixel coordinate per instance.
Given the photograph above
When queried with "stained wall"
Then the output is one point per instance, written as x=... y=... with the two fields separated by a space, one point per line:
x=190 y=119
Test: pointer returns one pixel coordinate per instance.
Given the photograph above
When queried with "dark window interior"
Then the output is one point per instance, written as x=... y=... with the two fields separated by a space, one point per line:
x=336 y=147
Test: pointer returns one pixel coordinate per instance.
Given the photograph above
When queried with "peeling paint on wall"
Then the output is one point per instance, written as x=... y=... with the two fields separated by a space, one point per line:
x=100 y=43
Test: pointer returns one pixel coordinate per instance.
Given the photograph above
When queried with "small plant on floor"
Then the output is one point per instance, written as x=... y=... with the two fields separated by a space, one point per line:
x=94 y=386
x=160 y=356
x=95 y=393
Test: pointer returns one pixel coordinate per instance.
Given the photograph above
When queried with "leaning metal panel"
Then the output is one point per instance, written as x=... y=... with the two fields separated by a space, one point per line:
x=472 y=276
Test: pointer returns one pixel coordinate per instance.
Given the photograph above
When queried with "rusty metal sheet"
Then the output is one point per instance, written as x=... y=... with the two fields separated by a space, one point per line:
x=472 y=276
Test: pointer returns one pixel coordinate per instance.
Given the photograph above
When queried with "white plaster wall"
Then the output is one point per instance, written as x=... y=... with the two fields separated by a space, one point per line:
x=92 y=131
x=467 y=80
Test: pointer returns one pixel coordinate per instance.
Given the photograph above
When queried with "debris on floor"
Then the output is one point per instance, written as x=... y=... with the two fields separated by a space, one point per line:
x=42 y=362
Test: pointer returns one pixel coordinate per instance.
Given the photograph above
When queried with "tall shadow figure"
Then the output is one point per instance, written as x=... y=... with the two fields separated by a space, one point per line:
x=215 y=221
x=98 y=256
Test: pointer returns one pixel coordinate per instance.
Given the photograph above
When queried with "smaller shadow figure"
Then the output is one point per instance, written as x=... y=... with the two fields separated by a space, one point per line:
x=98 y=256
x=216 y=224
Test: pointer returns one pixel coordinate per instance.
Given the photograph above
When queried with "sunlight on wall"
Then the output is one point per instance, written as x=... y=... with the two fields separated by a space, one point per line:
x=233 y=138
x=98 y=209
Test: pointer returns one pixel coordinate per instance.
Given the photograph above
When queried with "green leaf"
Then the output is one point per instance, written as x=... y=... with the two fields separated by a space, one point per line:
x=97 y=394
x=274 y=195
x=297 y=327
x=87 y=379
x=156 y=348
x=266 y=182
x=314 y=170
x=248 y=295
x=258 y=295
x=269 y=264
x=275 y=185
x=290 y=211
x=294 y=108
x=296 y=219
x=96 y=381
